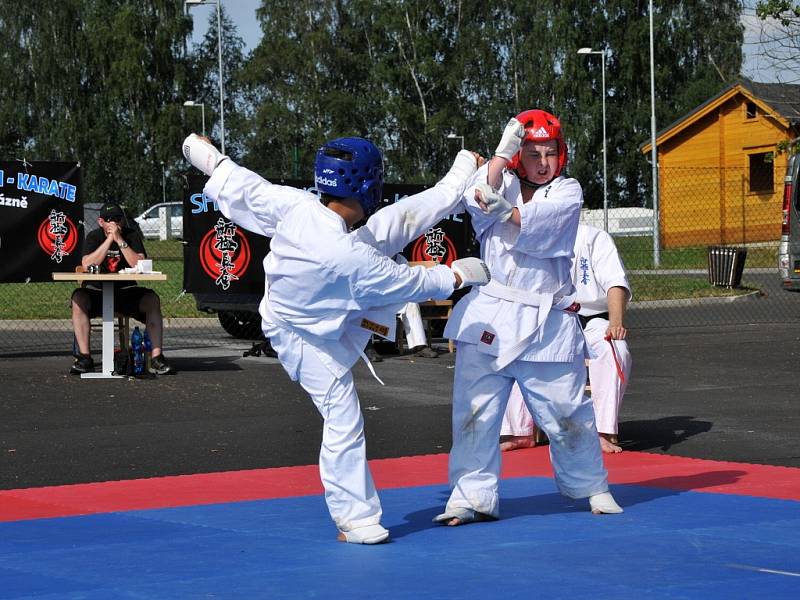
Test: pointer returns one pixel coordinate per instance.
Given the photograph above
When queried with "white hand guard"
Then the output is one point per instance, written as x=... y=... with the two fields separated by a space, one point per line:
x=511 y=141
x=463 y=168
x=472 y=271
x=201 y=154
x=495 y=203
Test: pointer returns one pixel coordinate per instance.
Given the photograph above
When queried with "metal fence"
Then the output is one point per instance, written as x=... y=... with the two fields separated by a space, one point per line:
x=700 y=209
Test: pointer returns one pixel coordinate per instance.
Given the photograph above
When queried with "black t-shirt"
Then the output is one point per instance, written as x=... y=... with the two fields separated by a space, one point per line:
x=114 y=260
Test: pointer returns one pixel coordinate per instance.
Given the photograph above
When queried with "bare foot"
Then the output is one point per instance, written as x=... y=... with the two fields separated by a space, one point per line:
x=475 y=518
x=607 y=443
x=516 y=442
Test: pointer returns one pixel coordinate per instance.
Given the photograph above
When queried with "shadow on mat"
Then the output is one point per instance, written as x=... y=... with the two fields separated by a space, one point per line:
x=686 y=483
x=545 y=504
x=510 y=508
x=627 y=494
x=660 y=433
x=186 y=365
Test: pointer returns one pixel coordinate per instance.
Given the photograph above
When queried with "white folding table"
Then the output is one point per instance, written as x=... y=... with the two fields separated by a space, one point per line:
x=107 y=279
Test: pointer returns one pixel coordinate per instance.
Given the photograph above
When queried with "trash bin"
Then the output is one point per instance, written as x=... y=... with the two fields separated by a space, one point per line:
x=725 y=266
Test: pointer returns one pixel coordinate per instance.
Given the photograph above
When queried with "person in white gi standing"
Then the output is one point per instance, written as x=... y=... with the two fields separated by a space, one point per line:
x=329 y=288
x=411 y=318
x=603 y=293
x=522 y=326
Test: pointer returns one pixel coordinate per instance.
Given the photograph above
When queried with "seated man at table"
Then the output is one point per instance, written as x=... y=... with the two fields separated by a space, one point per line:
x=110 y=248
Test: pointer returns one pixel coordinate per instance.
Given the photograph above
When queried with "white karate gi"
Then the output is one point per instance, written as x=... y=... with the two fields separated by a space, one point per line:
x=596 y=268
x=327 y=290
x=411 y=317
x=507 y=331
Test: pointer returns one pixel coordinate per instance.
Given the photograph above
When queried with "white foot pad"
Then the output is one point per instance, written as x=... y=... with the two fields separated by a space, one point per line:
x=201 y=154
x=604 y=504
x=369 y=534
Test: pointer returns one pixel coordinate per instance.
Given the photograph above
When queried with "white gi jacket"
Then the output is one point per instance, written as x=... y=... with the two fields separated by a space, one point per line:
x=534 y=261
x=596 y=269
x=325 y=285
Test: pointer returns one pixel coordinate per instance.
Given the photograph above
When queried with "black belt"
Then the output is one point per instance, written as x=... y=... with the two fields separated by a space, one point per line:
x=585 y=319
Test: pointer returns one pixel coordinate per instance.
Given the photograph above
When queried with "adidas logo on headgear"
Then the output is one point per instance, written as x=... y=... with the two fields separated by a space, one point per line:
x=329 y=181
x=541 y=133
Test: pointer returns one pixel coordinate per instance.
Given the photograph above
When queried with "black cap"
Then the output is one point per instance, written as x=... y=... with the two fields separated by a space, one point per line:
x=111 y=210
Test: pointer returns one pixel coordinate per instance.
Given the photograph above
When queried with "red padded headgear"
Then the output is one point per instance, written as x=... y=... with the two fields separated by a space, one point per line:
x=540 y=126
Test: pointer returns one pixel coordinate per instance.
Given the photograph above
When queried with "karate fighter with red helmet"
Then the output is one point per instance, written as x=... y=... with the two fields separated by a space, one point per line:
x=328 y=289
x=523 y=325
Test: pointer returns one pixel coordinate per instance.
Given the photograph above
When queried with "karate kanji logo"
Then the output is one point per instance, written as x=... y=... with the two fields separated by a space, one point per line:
x=57 y=235
x=435 y=245
x=224 y=253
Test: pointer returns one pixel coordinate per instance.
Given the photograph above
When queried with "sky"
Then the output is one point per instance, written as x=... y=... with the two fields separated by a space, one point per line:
x=243 y=13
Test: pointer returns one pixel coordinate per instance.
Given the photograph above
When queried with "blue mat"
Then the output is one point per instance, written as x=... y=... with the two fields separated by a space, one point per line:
x=666 y=545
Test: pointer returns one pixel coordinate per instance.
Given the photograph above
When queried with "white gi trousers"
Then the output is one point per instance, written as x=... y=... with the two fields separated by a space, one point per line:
x=554 y=394
x=607 y=388
x=413 y=326
x=349 y=489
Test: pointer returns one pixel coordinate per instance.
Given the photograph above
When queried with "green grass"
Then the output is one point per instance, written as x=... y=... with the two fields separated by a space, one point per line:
x=637 y=254
x=50 y=300
x=675 y=287
x=167 y=249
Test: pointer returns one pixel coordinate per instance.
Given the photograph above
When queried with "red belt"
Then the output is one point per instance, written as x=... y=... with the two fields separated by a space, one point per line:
x=616 y=359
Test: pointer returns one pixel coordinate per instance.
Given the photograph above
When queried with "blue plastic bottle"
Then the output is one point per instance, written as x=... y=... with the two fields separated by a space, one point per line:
x=137 y=345
x=148 y=351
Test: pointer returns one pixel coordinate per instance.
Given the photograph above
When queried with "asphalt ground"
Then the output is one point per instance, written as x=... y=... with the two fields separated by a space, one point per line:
x=762 y=300
x=723 y=393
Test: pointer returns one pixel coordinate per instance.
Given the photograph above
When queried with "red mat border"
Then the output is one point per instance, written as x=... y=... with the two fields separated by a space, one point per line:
x=635 y=468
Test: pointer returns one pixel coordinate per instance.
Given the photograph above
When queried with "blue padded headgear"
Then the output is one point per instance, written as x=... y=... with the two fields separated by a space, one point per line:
x=350 y=168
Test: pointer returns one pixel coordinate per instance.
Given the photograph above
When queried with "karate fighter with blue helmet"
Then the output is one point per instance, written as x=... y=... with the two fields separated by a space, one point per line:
x=329 y=288
x=523 y=326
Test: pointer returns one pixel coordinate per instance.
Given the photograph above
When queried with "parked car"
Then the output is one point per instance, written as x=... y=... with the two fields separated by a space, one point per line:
x=150 y=223
x=789 y=247
x=237 y=313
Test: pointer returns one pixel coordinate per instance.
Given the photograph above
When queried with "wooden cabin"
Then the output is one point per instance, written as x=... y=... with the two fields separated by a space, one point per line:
x=720 y=174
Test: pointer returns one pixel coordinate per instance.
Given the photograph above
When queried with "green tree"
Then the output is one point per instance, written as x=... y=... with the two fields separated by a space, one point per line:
x=406 y=73
x=697 y=54
x=204 y=83
x=780 y=36
x=396 y=72
x=308 y=80
x=96 y=81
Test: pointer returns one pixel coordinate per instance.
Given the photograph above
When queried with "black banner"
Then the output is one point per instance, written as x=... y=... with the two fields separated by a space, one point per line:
x=220 y=257
x=450 y=239
x=41 y=219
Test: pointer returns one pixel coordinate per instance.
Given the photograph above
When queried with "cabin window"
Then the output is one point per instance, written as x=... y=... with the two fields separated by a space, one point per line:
x=761 y=172
x=750 y=110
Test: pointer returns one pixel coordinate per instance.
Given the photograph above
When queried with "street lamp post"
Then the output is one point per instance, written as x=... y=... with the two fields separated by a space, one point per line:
x=163 y=183
x=202 y=112
x=602 y=54
x=164 y=218
x=189 y=3
x=453 y=136
x=654 y=150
